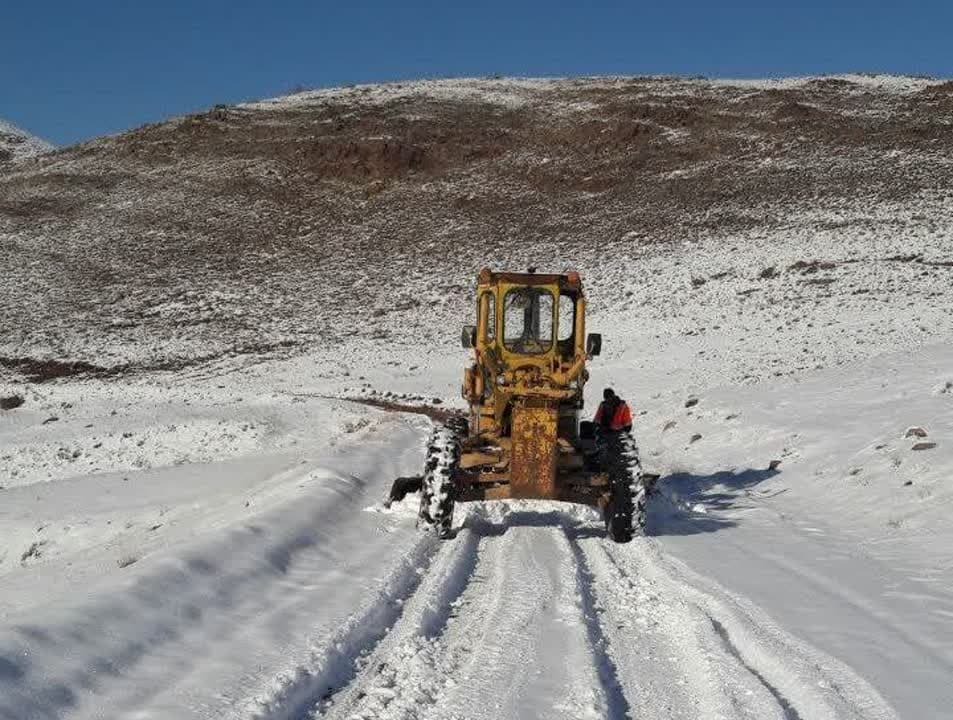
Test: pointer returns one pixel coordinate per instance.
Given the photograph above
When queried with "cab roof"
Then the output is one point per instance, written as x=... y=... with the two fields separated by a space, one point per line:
x=566 y=281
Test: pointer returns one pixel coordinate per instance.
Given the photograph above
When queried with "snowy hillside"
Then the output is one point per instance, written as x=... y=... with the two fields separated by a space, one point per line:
x=699 y=210
x=16 y=144
x=191 y=522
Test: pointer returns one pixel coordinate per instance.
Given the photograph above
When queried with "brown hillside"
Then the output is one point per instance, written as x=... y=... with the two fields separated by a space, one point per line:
x=304 y=222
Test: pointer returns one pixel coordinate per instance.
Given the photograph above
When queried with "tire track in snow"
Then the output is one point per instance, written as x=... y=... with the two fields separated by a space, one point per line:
x=616 y=701
x=338 y=664
x=409 y=641
x=526 y=647
x=790 y=713
x=534 y=614
x=496 y=629
x=739 y=645
x=665 y=667
x=469 y=645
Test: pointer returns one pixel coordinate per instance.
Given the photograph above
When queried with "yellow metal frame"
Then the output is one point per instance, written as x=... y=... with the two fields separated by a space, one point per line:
x=519 y=417
x=498 y=291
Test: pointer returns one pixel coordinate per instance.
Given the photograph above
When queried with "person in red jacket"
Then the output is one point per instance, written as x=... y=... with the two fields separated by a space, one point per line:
x=613 y=414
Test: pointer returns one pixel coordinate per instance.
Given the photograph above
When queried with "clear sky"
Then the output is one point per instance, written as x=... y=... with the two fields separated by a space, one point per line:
x=74 y=70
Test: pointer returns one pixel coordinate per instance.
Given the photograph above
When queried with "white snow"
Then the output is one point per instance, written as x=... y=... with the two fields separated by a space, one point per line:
x=518 y=91
x=212 y=543
x=900 y=84
x=506 y=92
x=248 y=580
x=19 y=143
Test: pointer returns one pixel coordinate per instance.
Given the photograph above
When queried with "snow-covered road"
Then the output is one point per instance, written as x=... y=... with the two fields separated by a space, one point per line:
x=320 y=608
x=531 y=613
x=259 y=576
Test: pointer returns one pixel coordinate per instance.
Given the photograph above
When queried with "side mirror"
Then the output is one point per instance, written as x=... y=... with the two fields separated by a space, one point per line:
x=468 y=336
x=593 y=344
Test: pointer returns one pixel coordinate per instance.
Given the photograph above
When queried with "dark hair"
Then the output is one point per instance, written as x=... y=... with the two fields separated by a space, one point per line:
x=607 y=393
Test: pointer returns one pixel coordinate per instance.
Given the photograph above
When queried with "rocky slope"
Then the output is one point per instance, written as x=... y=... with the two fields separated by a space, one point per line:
x=703 y=212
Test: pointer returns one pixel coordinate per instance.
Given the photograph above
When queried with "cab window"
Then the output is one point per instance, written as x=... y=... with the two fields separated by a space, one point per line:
x=528 y=320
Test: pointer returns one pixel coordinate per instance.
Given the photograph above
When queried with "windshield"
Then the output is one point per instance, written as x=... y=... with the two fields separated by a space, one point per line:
x=528 y=320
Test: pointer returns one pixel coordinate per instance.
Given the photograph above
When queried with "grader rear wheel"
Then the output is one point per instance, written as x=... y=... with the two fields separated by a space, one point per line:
x=626 y=511
x=437 y=494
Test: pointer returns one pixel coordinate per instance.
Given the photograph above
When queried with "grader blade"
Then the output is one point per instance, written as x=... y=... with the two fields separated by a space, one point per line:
x=533 y=464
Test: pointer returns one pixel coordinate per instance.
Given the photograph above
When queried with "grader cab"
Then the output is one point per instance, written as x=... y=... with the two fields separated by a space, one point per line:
x=523 y=438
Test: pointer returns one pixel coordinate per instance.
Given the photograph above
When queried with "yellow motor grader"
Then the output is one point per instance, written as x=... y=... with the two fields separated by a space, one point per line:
x=523 y=437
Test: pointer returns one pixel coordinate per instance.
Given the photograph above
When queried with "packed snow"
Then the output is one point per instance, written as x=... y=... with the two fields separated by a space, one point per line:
x=254 y=571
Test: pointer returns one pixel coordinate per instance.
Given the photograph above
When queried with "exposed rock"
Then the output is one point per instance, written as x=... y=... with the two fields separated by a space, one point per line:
x=915 y=431
x=37 y=370
x=774 y=465
x=11 y=402
x=669 y=425
x=34 y=552
x=811 y=267
x=695 y=438
x=691 y=402
x=924 y=446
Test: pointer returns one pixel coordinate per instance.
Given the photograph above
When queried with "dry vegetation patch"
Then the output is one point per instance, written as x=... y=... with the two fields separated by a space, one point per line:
x=276 y=227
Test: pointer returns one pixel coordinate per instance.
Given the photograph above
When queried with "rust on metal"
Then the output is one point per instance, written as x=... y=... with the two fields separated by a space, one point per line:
x=524 y=439
x=481 y=458
x=570 y=281
x=533 y=463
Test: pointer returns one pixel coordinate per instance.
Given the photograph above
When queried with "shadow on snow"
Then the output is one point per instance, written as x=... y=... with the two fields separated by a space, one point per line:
x=683 y=504
x=689 y=504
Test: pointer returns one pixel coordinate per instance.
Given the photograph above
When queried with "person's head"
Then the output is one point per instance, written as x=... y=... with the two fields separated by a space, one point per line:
x=608 y=394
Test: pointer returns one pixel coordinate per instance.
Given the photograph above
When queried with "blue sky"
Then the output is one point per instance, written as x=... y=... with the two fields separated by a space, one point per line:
x=74 y=70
